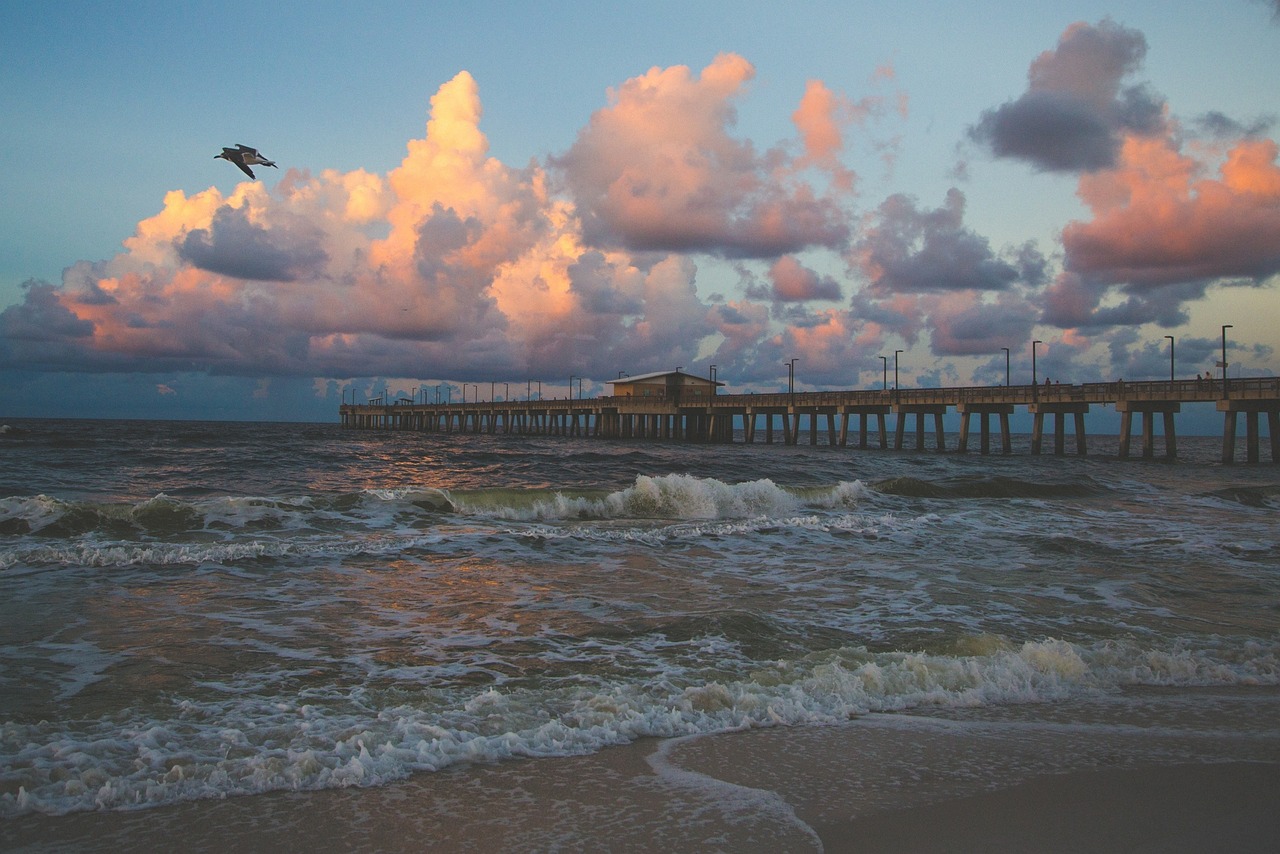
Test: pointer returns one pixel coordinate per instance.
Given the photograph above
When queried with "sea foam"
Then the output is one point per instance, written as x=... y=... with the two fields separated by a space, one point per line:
x=246 y=744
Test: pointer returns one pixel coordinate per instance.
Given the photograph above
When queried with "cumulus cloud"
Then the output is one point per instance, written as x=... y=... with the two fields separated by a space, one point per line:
x=962 y=326
x=794 y=282
x=1075 y=112
x=234 y=246
x=904 y=249
x=455 y=262
x=1216 y=125
x=1158 y=221
x=658 y=169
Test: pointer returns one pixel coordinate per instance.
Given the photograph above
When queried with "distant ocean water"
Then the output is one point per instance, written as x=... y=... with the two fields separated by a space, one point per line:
x=197 y=610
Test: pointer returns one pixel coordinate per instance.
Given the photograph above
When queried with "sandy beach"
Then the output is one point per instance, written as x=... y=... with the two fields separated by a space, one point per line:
x=1170 y=809
x=1083 y=777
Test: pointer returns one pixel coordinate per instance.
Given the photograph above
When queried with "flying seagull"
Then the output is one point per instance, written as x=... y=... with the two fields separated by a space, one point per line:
x=244 y=157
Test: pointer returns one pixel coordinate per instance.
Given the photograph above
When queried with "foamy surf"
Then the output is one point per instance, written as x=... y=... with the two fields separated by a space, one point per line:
x=675 y=497
x=233 y=744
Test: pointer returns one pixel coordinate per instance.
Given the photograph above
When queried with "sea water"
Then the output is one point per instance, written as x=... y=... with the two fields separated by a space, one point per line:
x=203 y=610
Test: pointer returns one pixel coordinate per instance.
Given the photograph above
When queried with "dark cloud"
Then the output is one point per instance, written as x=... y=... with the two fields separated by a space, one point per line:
x=980 y=328
x=1074 y=113
x=1075 y=301
x=41 y=316
x=908 y=250
x=41 y=331
x=235 y=246
x=1216 y=125
x=595 y=281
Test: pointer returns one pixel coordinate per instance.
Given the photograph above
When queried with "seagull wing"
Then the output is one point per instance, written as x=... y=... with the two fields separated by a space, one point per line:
x=239 y=161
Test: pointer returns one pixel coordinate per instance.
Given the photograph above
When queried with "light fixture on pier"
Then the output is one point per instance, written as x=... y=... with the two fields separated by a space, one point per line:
x=1225 y=391
x=1035 y=380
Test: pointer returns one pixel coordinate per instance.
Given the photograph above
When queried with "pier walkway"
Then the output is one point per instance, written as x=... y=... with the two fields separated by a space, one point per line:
x=777 y=417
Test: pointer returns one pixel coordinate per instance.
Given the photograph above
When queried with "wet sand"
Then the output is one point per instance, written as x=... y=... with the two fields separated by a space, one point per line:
x=1175 y=809
x=1191 y=774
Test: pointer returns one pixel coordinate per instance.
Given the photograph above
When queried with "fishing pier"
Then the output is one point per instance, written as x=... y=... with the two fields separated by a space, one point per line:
x=679 y=407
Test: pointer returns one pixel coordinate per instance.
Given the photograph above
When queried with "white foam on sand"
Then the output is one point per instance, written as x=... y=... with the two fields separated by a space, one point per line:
x=738 y=803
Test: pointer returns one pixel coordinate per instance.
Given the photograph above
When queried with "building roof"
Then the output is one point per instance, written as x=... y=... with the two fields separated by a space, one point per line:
x=658 y=374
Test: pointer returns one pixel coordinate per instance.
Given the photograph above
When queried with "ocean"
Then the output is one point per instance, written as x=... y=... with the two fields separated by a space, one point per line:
x=238 y=616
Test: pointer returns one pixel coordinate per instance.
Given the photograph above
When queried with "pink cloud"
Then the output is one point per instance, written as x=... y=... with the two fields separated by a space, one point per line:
x=658 y=170
x=1158 y=222
x=794 y=282
x=820 y=118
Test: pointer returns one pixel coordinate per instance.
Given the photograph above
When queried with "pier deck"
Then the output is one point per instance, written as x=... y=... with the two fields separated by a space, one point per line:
x=713 y=418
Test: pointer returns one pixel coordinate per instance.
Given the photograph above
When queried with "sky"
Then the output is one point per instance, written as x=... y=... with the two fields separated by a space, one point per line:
x=492 y=196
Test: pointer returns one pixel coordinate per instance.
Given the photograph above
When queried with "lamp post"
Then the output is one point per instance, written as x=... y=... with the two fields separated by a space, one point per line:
x=884 y=367
x=506 y=392
x=571 y=379
x=1035 y=380
x=1171 y=372
x=712 y=375
x=791 y=376
x=1226 y=393
x=1006 y=366
x=895 y=372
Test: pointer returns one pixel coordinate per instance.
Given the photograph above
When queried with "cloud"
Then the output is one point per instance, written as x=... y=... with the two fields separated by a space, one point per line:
x=42 y=317
x=962 y=326
x=794 y=282
x=1157 y=221
x=234 y=246
x=1075 y=301
x=1075 y=112
x=658 y=170
x=1216 y=125
x=906 y=250
x=456 y=263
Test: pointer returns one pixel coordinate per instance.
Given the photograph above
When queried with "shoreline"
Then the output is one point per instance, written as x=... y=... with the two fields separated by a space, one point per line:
x=1161 y=771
